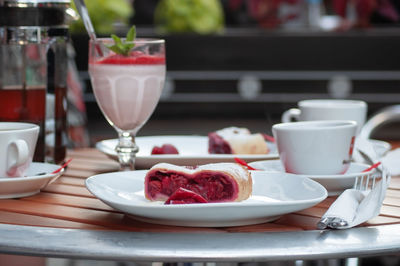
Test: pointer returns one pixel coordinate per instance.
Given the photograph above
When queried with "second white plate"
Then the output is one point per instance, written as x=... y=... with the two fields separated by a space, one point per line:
x=193 y=150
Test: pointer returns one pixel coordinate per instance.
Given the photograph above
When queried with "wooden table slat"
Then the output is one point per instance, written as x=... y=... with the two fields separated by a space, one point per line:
x=69 y=190
x=66 y=180
x=71 y=201
x=305 y=222
x=11 y=217
x=81 y=174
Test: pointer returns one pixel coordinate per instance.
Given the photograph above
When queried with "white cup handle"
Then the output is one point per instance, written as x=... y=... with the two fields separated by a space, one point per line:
x=291 y=115
x=18 y=153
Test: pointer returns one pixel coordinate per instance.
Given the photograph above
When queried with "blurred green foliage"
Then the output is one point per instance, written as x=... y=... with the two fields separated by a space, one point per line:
x=189 y=16
x=104 y=13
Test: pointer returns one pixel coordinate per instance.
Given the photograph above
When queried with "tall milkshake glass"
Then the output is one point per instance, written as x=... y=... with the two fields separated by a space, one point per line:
x=127 y=88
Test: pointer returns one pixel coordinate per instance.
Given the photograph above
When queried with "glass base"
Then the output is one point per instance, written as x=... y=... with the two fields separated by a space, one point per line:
x=126 y=150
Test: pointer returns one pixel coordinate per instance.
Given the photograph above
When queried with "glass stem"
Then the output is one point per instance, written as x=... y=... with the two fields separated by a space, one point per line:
x=126 y=150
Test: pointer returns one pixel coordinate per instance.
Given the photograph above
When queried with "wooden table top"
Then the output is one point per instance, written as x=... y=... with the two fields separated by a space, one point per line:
x=66 y=203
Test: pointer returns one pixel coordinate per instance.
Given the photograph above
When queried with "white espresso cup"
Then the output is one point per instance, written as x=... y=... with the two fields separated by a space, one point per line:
x=315 y=147
x=17 y=146
x=328 y=109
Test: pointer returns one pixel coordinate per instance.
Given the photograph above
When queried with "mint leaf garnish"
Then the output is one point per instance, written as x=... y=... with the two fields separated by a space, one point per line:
x=123 y=48
x=131 y=34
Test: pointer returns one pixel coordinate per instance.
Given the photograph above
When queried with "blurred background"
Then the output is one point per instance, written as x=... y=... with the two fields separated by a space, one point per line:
x=243 y=62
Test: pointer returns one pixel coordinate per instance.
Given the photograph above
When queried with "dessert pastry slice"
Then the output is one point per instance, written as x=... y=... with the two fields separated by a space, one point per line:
x=234 y=140
x=219 y=182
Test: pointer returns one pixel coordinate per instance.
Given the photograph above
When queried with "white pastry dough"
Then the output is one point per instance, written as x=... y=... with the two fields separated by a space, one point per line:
x=242 y=141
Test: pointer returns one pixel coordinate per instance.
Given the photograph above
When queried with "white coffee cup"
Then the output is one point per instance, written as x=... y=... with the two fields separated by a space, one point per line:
x=315 y=147
x=17 y=146
x=328 y=109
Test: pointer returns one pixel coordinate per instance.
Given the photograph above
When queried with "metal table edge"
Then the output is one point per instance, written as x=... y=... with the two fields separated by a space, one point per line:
x=199 y=247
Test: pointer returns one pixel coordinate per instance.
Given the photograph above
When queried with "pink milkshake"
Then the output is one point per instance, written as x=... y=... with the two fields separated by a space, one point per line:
x=128 y=89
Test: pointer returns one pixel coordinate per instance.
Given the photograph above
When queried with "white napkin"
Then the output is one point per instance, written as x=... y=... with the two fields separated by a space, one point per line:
x=354 y=207
x=392 y=161
x=367 y=147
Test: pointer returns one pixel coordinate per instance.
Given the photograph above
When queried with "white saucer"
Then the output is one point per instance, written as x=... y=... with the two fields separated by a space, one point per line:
x=31 y=183
x=334 y=184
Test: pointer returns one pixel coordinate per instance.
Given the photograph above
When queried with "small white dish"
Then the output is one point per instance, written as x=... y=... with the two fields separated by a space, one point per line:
x=31 y=183
x=193 y=150
x=335 y=184
x=274 y=194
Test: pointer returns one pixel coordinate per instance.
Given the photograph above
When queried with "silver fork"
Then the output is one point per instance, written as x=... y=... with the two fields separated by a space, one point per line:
x=361 y=183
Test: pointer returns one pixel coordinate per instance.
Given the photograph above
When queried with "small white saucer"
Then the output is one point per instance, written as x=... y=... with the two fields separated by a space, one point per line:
x=30 y=184
x=334 y=184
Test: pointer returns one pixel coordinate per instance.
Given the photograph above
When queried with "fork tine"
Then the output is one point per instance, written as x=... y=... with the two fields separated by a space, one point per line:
x=366 y=182
x=356 y=182
x=373 y=181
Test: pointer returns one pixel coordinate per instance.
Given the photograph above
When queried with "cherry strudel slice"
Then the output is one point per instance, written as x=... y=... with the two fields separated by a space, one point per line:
x=219 y=182
x=234 y=140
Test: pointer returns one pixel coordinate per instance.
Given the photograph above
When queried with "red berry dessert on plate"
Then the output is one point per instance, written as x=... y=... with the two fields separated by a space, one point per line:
x=164 y=149
x=235 y=140
x=218 y=182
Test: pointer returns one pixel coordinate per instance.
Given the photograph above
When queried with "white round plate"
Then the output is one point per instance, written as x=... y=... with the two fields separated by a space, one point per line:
x=30 y=184
x=193 y=150
x=274 y=194
x=335 y=184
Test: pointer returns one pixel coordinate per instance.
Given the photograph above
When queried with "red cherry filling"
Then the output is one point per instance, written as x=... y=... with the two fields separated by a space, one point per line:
x=135 y=58
x=217 y=145
x=211 y=186
x=165 y=149
x=185 y=196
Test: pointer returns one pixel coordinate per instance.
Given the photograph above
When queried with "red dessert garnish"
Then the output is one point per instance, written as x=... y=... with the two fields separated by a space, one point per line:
x=165 y=149
x=134 y=58
x=185 y=196
x=243 y=162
